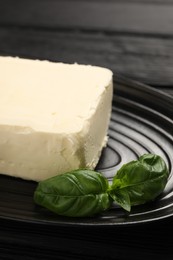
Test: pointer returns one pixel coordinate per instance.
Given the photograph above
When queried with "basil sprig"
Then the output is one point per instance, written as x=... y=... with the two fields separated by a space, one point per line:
x=76 y=194
x=138 y=182
x=83 y=192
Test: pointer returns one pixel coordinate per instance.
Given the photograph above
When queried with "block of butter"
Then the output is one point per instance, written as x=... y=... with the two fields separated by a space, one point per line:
x=54 y=117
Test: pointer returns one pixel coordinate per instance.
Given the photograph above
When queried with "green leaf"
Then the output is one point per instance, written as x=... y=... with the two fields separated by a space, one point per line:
x=140 y=181
x=76 y=194
x=121 y=196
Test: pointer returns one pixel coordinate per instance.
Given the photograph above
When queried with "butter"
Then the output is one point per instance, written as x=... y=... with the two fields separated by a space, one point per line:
x=54 y=117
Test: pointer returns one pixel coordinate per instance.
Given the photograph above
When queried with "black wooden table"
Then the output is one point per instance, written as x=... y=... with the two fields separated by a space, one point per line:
x=135 y=40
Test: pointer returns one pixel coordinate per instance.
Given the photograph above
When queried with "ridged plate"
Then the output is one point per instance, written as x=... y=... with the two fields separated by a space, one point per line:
x=140 y=123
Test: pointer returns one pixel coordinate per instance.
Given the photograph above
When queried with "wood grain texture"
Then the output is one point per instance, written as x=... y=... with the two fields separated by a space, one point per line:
x=146 y=59
x=99 y=15
x=133 y=38
x=34 y=242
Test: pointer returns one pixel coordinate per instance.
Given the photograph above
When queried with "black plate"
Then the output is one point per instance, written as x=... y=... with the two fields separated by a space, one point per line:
x=140 y=123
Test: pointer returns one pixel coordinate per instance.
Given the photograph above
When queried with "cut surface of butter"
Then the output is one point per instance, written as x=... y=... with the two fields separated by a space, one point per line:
x=54 y=117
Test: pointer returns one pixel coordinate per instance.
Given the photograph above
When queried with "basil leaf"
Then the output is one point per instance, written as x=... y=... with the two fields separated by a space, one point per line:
x=122 y=198
x=76 y=194
x=140 y=181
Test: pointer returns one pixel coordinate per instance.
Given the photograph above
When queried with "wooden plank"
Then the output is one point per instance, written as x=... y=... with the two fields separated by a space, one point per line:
x=134 y=1
x=160 y=2
x=92 y=15
x=149 y=60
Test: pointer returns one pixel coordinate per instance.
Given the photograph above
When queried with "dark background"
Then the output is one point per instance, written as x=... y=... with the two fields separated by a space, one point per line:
x=133 y=38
